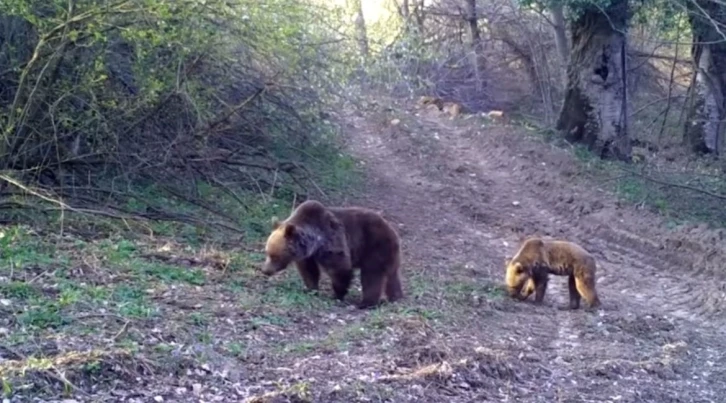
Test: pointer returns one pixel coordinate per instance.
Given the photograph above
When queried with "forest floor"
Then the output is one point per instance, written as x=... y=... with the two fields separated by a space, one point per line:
x=462 y=193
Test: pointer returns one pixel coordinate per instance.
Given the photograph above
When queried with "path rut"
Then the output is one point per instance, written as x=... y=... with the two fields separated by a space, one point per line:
x=464 y=195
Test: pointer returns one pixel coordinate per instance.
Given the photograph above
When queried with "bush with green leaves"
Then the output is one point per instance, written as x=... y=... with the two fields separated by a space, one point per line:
x=96 y=95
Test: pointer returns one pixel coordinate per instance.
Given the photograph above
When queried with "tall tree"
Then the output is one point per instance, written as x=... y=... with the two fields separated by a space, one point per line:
x=475 y=37
x=361 y=34
x=594 y=111
x=706 y=111
x=412 y=13
x=560 y=30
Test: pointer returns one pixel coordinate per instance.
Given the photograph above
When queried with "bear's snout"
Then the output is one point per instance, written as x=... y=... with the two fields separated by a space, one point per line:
x=268 y=268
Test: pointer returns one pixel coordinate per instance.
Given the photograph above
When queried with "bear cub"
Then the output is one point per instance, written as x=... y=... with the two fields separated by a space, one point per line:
x=537 y=258
x=338 y=240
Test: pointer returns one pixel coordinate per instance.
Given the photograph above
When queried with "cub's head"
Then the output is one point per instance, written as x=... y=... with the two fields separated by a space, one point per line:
x=516 y=277
x=287 y=243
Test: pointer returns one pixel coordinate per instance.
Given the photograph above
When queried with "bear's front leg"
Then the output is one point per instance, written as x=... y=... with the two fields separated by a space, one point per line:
x=310 y=273
x=337 y=266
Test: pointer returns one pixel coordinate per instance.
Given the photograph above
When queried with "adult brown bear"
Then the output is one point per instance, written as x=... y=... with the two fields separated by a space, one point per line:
x=538 y=258
x=338 y=240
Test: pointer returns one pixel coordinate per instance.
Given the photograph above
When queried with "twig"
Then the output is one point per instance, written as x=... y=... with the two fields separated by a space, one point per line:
x=122 y=331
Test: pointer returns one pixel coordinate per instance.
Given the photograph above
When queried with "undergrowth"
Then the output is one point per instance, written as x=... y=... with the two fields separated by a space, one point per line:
x=681 y=195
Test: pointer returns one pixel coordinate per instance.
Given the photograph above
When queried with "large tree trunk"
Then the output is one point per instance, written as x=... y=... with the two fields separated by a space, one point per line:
x=594 y=111
x=706 y=110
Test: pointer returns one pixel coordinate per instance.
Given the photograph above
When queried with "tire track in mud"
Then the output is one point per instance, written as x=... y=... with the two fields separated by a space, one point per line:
x=420 y=178
x=629 y=261
x=639 y=282
x=636 y=279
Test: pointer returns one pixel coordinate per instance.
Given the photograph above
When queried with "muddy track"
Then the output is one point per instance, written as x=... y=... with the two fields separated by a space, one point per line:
x=464 y=196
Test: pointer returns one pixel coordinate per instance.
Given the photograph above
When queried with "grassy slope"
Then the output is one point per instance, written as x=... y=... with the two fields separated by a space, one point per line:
x=84 y=299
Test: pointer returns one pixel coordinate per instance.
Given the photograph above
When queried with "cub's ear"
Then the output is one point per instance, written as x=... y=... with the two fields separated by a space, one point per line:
x=518 y=268
x=275 y=221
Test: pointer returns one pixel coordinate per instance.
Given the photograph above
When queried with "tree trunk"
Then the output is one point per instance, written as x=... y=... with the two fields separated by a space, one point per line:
x=475 y=34
x=559 y=27
x=360 y=28
x=407 y=14
x=594 y=112
x=703 y=128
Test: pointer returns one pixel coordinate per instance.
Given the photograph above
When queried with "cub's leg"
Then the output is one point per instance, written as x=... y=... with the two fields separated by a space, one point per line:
x=586 y=287
x=529 y=289
x=574 y=294
x=540 y=287
x=310 y=273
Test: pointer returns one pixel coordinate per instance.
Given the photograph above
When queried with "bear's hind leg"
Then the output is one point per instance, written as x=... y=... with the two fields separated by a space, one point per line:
x=310 y=273
x=394 y=292
x=586 y=288
x=574 y=294
x=341 y=283
x=371 y=282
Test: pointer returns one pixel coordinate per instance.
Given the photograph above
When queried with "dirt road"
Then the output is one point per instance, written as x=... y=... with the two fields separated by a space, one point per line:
x=463 y=196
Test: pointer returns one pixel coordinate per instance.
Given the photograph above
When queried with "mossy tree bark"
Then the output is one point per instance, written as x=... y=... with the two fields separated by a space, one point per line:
x=594 y=112
x=706 y=109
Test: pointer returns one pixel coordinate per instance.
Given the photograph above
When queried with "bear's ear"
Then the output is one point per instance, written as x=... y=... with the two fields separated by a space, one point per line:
x=290 y=231
x=333 y=221
x=275 y=221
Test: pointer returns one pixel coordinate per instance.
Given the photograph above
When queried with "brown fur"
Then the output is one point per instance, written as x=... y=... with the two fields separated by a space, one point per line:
x=538 y=258
x=338 y=240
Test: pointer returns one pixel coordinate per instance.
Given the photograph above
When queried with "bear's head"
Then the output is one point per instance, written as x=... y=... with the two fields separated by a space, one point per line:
x=287 y=243
x=517 y=275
